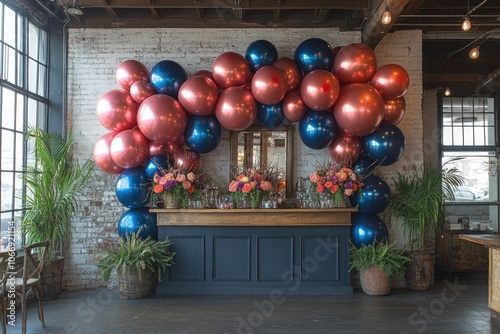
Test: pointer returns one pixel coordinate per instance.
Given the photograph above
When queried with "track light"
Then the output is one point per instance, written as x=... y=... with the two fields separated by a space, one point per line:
x=466 y=25
x=386 y=18
x=447 y=92
x=474 y=52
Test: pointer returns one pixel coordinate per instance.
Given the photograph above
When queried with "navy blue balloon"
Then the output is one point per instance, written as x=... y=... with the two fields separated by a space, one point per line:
x=132 y=188
x=271 y=116
x=314 y=54
x=373 y=197
x=202 y=133
x=155 y=164
x=134 y=219
x=260 y=53
x=167 y=76
x=385 y=145
x=366 y=228
x=363 y=166
x=317 y=129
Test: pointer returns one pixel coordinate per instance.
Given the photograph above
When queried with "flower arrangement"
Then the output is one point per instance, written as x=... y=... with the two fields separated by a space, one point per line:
x=178 y=183
x=254 y=183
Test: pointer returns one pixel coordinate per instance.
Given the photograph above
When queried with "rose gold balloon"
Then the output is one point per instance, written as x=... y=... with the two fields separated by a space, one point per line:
x=156 y=149
x=391 y=81
x=320 y=90
x=161 y=118
x=187 y=160
x=294 y=107
x=204 y=73
x=292 y=72
x=336 y=50
x=345 y=149
x=129 y=72
x=394 y=110
x=231 y=69
x=102 y=155
x=117 y=110
x=236 y=108
x=141 y=90
x=171 y=147
x=355 y=63
x=359 y=109
x=129 y=148
x=198 y=95
x=180 y=141
x=269 y=85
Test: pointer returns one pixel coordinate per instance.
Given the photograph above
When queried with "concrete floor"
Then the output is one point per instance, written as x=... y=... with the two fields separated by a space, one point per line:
x=448 y=307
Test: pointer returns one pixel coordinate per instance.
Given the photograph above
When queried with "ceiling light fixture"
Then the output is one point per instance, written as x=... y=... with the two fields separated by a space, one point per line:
x=386 y=18
x=474 y=52
x=75 y=10
x=447 y=92
x=466 y=25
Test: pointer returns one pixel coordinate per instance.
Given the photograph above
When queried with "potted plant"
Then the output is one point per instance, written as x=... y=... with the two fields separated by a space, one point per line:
x=419 y=201
x=377 y=263
x=137 y=261
x=53 y=184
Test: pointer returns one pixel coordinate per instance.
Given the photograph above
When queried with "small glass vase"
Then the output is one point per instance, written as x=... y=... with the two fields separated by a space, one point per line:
x=171 y=202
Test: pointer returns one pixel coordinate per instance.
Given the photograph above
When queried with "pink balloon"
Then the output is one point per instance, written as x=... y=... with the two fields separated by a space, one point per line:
x=292 y=72
x=391 y=81
x=141 y=90
x=294 y=107
x=320 y=90
x=187 y=160
x=172 y=147
x=180 y=141
x=129 y=149
x=236 y=108
x=269 y=85
x=359 y=109
x=129 y=72
x=161 y=118
x=156 y=149
x=204 y=73
x=345 y=149
x=394 y=110
x=355 y=63
x=231 y=69
x=117 y=110
x=198 y=95
x=102 y=155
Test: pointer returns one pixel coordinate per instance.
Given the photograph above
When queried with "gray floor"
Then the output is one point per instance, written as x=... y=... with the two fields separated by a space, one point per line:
x=449 y=307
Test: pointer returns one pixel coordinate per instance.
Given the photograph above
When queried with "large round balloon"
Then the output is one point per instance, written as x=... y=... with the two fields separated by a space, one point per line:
x=320 y=90
x=385 y=145
x=314 y=54
x=167 y=76
x=359 y=109
x=102 y=155
x=317 y=129
x=198 y=95
x=260 y=53
x=355 y=63
x=202 y=133
x=204 y=73
x=366 y=228
x=129 y=72
x=141 y=90
x=157 y=149
x=236 y=108
x=345 y=148
x=129 y=148
x=156 y=164
x=271 y=116
x=391 y=81
x=269 y=85
x=138 y=221
x=373 y=197
x=292 y=72
x=117 y=110
x=186 y=159
x=294 y=107
x=394 y=110
x=363 y=166
x=231 y=69
x=132 y=189
x=161 y=118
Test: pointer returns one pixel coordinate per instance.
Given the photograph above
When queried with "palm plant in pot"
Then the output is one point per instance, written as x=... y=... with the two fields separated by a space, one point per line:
x=53 y=184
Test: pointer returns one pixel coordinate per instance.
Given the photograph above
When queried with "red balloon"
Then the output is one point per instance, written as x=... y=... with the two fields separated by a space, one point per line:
x=359 y=109
x=294 y=107
x=204 y=73
x=198 y=95
x=141 y=90
x=355 y=63
x=345 y=149
x=129 y=72
x=292 y=72
x=394 y=110
x=336 y=50
x=391 y=81
x=161 y=118
x=129 y=149
x=269 y=85
x=236 y=108
x=320 y=90
x=231 y=69
x=187 y=160
x=102 y=155
x=180 y=141
x=117 y=110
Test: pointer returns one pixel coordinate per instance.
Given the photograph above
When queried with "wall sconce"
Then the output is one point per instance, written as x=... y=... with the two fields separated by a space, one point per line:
x=447 y=92
x=474 y=52
x=386 y=18
x=466 y=25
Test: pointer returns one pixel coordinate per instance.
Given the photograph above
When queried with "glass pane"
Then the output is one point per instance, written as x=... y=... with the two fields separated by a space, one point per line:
x=1 y=16
x=9 y=67
x=33 y=41
x=7 y=150
x=8 y=108
x=447 y=136
x=20 y=40
x=6 y=218
x=17 y=229
x=32 y=76
x=30 y=155
x=479 y=136
x=458 y=138
x=42 y=47
x=9 y=24
x=468 y=135
x=20 y=70
x=7 y=191
x=32 y=112
x=18 y=151
x=20 y=113
x=18 y=192
x=42 y=82
x=42 y=115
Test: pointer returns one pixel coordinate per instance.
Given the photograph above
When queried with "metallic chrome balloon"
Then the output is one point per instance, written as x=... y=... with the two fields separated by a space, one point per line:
x=135 y=220
x=314 y=54
x=167 y=77
x=198 y=95
x=366 y=228
x=231 y=69
x=394 y=110
x=374 y=197
x=156 y=149
x=132 y=188
x=129 y=72
x=294 y=107
x=236 y=108
x=155 y=164
x=260 y=53
x=385 y=145
x=363 y=166
x=203 y=133
x=102 y=155
x=317 y=129
x=320 y=90
x=187 y=160
x=345 y=148
x=391 y=81
x=141 y=90
x=355 y=63
x=292 y=72
x=129 y=148
x=117 y=110
x=269 y=85
x=204 y=73
x=271 y=116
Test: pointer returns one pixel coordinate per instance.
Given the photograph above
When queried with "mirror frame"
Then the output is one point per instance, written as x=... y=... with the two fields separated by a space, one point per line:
x=289 y=151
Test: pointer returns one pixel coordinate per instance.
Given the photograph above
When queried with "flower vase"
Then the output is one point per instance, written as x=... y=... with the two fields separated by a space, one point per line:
x=340 y=201
x=243 y=202
x=171 y=202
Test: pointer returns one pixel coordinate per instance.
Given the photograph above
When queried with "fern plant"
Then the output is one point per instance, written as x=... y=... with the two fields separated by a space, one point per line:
x=380 y=255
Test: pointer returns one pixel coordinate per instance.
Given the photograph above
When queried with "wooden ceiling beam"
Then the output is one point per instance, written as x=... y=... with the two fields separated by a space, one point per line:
x=321 y=15
x=152 y=9
x=110 y=10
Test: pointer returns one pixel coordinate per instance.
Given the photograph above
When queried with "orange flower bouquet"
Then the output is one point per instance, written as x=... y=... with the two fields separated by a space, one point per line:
x=254 y=183
x=177 y=183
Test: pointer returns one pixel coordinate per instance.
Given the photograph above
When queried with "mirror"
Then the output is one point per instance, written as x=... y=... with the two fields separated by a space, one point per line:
x=259 y=146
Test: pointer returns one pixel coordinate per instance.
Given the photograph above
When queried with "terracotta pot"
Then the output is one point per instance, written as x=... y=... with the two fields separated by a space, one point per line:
x=420 y=270
x=375 y=282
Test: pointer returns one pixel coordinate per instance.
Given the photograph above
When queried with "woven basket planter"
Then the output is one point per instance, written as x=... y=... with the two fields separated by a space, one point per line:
x=133 y=284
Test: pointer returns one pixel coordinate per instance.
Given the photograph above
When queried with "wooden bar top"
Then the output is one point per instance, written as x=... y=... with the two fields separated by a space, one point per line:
x=488 y=240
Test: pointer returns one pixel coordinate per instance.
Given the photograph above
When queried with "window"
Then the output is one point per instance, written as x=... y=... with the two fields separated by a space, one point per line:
x=23 y=103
